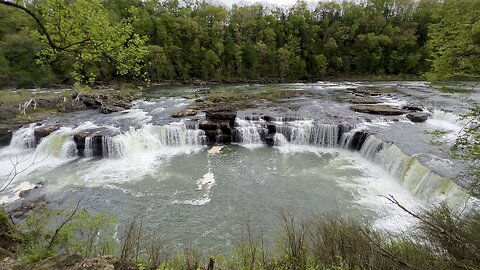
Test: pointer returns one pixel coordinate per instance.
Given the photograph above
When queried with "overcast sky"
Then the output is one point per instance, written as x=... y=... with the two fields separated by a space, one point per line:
x=276 y=2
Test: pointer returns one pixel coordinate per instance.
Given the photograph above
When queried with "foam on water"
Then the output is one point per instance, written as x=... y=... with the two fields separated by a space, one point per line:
x=370 y=189
x=445 y=121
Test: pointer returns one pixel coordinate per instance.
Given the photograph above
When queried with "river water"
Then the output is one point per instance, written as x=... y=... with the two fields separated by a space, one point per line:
x=162 y=168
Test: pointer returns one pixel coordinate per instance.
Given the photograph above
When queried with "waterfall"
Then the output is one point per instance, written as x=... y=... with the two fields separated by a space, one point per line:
x=249 y=131
x=418 y=179
x=152 y=138
x=58 y=144
x=24 y=137
x=301 y=132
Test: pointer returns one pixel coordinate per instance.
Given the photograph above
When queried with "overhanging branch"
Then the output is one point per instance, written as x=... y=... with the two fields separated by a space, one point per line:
x=35 y=17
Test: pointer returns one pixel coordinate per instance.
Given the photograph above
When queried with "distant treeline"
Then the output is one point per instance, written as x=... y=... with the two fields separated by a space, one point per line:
x=197 y=40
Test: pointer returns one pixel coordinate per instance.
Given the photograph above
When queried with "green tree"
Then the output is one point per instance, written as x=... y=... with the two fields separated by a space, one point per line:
x=456 y=40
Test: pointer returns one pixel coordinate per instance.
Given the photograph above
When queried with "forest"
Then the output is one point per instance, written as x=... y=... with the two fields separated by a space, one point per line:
x=154 y=41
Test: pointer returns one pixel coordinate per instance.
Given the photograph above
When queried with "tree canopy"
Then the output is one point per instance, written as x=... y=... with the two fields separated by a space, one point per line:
x=106 y=40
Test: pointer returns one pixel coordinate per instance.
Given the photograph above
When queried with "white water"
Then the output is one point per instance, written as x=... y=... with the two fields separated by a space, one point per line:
x=408 y=171
x=301 y=132
x=136 y=153
x=418 y=179
x=448 y=122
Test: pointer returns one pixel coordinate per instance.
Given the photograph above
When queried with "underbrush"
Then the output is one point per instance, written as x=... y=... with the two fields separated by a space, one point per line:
x=442 y=240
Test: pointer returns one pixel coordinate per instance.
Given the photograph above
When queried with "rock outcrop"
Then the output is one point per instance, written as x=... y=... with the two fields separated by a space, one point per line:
x=27 y=206
x=218 y=125
x=105 y=102
x=417 y=117
x=364 y=100
x=96 y=142
x=185 y=113
x=378 y=109
x=42 y=132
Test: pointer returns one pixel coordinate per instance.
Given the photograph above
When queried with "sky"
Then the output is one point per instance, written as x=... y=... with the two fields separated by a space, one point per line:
x=276 y=2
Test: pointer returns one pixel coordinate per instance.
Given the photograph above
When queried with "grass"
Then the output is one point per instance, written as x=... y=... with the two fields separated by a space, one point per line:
x=442 y=240
x=240 y=100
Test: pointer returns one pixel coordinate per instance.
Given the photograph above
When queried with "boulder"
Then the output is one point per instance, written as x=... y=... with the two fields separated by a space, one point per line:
x=27 y=192
x=378 y=109
x=28 y=206
x=42 y=132
x=364 y=100
x=417 y=117
x=187 y=112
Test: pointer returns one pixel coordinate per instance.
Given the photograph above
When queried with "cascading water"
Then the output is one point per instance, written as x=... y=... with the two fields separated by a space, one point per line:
x=301 y=132
x=24 y=137
x=249 y=132
x=59 y=144
x=418 y=179
x=152 y=138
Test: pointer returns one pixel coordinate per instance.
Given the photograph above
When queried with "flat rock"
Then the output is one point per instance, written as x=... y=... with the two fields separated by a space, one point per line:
x=411 y=107
x=417 y=117
x=185 y=113
x=364 y=100
x=373 y=91
x=221 y=114
x=107 y=109
x=378 y=109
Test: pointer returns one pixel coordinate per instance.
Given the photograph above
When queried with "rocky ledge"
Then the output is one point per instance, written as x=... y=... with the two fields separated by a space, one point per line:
x=378 y=109
x=218 y=125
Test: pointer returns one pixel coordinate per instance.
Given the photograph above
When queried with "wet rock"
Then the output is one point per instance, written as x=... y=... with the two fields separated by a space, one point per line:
x=415 y=108
x=357 y=141
x=378 y=109
x=28 y=206
x=222 y=114
x=27 y=192
x=208 y=125
x=96 y=140
x=269 y=139
x=271 y=128
x=364 y=100
x=185 y=113
x=417 y=117
x=223 y=139
x=107 y=109
x=105 y=102
x=42 y=132
x=5 y=136
x=372 y=91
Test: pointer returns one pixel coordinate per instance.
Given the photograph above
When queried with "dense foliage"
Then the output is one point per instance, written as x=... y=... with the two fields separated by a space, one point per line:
x=111 y=39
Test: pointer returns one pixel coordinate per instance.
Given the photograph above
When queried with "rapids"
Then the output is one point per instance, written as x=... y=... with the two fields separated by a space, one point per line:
x=320 y=159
